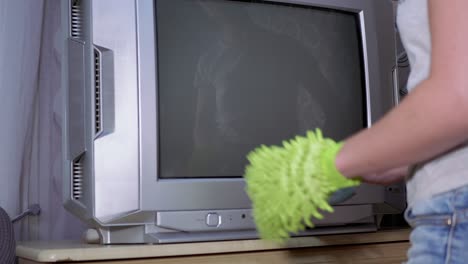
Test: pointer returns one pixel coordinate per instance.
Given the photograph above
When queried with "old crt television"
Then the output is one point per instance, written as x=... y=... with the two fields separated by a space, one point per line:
x=164 y=99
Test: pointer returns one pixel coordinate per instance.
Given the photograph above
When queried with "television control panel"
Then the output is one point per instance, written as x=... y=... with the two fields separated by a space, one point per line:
x=206 y=220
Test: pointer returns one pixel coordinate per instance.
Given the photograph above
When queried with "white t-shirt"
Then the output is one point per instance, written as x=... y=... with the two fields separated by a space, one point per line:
x=450 y=170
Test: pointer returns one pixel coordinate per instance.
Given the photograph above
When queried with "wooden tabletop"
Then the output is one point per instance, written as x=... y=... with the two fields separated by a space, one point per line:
x=75 y=251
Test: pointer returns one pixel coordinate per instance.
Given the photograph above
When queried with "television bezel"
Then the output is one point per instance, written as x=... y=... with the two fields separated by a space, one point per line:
x=228 y=193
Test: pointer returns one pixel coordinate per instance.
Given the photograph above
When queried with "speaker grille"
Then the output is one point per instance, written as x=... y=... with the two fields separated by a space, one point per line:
x=77 y=178
x=97 y=93
x=76 y=16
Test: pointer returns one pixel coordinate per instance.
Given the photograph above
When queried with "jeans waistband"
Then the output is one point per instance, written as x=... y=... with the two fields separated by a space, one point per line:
x=445 y=209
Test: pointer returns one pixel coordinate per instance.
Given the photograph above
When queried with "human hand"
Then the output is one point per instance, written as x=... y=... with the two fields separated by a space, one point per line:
x=386 y=177
x=382 y=178
x=341 y=195
x=292 y=184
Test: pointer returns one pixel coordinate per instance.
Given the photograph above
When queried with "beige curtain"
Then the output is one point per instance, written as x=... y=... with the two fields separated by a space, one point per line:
x=30 y=118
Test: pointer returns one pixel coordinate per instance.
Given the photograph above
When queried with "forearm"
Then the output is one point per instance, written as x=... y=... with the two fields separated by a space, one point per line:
x=429 y=121
x=387 y=177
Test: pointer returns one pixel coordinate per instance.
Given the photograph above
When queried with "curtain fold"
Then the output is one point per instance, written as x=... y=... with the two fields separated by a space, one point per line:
x=20 y=38
x=30 y=115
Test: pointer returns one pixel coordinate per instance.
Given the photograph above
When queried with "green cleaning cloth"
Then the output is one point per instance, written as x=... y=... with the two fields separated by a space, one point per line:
x=291 y=184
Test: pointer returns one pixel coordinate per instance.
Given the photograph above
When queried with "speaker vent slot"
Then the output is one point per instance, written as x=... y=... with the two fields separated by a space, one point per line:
x=97 y=93
x=76 y=19
x=77 y=178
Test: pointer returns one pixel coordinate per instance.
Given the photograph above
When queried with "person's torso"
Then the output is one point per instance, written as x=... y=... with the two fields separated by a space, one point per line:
x=447 y=171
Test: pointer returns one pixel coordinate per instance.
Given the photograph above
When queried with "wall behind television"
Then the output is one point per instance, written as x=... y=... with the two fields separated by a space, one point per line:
x=30 y=110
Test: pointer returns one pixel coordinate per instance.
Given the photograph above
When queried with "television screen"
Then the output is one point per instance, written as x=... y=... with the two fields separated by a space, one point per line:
x=233 y=75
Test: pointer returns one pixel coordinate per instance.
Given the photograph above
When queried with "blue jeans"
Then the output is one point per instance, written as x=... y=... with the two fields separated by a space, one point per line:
x=440 y=229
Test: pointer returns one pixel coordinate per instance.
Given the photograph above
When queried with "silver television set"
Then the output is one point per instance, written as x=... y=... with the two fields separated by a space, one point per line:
x=164 y=99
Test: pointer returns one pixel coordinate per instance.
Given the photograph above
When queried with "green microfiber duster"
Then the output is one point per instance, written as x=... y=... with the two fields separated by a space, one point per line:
x=290 y=184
